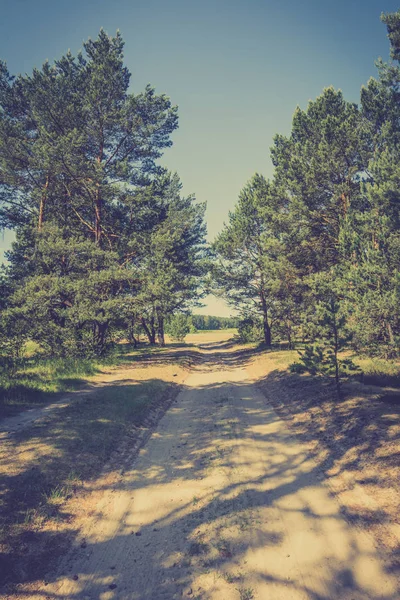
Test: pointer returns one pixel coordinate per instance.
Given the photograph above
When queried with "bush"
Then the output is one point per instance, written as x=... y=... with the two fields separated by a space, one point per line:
x=249 y=330
x=297 y=368
x=178 y=327
x=322 y=360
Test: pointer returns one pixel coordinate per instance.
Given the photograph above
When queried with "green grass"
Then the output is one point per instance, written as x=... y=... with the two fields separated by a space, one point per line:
x=375 y=371
x=380 y=372
x=284 y=357
x=40 y=380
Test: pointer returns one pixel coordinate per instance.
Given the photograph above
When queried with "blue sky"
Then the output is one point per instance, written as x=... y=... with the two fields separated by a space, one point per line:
x=237 y=70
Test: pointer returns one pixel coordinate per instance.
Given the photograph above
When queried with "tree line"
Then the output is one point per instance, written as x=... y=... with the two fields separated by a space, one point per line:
x=210 y=322
x=314 y=252
x=106 y=244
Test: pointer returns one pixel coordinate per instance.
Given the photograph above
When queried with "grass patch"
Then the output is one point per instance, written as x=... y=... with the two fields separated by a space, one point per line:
x=380 y=372
x=375 y=371
x=283 y=358
x=40 y=380
x=246 y=593
x=55 y=458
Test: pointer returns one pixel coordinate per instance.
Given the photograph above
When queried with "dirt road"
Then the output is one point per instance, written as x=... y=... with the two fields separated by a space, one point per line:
x=222 y=503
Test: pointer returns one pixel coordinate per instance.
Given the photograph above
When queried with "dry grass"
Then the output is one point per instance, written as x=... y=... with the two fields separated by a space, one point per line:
x=355 y=439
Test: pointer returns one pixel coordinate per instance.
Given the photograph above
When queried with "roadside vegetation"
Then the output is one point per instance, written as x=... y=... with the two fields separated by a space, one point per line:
x=313 y=254
x=38 y=379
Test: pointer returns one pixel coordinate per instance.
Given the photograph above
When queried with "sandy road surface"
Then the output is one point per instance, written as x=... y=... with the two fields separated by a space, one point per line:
x=222 y=503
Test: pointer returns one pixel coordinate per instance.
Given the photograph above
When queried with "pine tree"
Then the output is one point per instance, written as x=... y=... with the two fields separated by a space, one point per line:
x=73 y=141
x=373 y=277
x=78 y=159
x=170 y=259
x=246 y=254
x=178 y=326
x=319 y=168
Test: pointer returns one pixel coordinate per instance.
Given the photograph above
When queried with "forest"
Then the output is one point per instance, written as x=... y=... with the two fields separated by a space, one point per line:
x=148 y=450
x=107 y=247
x=314 y=253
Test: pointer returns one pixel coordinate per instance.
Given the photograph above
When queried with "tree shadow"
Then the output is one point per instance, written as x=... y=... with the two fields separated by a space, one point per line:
x=269 y=507
x=355 y=435
x=49 y=462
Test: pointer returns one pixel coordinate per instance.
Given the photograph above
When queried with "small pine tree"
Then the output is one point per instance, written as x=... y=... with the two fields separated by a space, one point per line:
x=250 y=330
x=329 y=327
x=178 y=327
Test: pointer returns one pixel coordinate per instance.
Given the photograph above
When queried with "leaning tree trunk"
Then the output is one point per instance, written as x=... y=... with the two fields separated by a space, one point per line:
x=149 y=331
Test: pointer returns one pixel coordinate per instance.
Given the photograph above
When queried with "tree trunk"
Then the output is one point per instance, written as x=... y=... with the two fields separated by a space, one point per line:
x=131 y=332
x=266 y=325
x=160 y=330
x=43 y=204
x=97 y=210
x=150 y=332
x=153 y=330
x=335 y=354
x=100 y=339
x=267 y=331
x=289 y=336
x=98 y=201
x=345 y=204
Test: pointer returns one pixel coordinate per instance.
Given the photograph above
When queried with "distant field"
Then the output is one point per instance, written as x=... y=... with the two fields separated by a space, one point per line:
x=207 y=335
x=216 y=335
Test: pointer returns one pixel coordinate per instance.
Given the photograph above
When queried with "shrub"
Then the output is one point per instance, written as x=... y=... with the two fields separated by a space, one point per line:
x=178 y=326
x=249 y=330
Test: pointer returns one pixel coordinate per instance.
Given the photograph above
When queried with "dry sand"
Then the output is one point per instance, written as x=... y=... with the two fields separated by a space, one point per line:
x=223 y=502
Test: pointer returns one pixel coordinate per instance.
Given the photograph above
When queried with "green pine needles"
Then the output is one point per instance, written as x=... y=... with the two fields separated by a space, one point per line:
x=106 y=244
x=313 y=254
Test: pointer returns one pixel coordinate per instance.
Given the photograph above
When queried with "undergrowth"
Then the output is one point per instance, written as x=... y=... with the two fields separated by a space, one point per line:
x=40 y=379
x=379 y=372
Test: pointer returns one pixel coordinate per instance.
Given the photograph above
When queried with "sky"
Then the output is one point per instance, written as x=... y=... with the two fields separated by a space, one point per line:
x=237 y=69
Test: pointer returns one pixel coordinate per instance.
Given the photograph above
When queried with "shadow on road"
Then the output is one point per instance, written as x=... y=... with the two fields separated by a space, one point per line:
x=266 y=508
